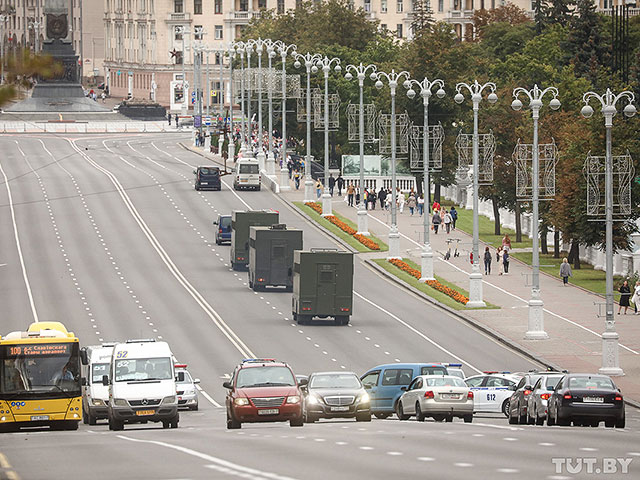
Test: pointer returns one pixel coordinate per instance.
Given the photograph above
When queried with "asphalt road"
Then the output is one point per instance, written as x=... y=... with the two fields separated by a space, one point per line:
x=107 y=235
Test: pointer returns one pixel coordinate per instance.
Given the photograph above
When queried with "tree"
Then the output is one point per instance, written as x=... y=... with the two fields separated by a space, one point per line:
x=560 y=11
x=540 y=14
x=22 y=70
x=508 y=13
x=422 y=17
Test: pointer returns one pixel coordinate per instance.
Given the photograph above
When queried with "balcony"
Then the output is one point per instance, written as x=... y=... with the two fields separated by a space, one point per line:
x=633 y=12
x=457 y=15
x=240 y=17
x=179 y=18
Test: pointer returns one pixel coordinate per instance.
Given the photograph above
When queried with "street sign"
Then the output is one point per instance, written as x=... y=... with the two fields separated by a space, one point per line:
x=118 y=72
x=207 y=121
x=197 y=121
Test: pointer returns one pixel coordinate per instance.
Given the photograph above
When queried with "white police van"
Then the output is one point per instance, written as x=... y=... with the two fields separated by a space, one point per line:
x=96 y=361
x=142 y=386
x=492 y=391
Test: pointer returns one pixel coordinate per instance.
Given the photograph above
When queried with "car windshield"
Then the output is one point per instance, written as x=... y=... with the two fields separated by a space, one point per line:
x=591 y=383
x=140 y=369
x=265 y=377
x=225 y=221
x=445 y=382
x=98 y=370
x=208 y=171
x=335 y=381
x=248 y=168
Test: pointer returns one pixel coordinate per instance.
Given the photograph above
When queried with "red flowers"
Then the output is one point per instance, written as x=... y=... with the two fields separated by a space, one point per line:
x=370 y=244
x=458 y=297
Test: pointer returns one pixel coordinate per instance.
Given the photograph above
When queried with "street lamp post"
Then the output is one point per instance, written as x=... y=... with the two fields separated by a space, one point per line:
x=309 y=60
x=360 y=72
x=475 y=278
x=249 y=46
x=425 y=87
x=610 y=354
x=259 y=45
x=185 y=85
x=326 y=63
x=271 y=53
x=392 y=79
x=283 y=50
x=232 y=147
x=535 y=330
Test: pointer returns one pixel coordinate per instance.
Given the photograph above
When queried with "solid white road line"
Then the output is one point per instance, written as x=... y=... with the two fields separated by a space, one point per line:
x=208 y=397
x=17 y=237
x=219 y=462
x=509 y=293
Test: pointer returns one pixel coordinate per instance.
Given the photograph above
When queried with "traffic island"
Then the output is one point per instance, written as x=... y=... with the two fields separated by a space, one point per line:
x=343 y=228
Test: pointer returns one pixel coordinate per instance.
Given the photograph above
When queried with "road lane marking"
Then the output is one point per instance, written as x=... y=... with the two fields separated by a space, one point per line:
x=17 y=237
x=208 y=397
x=239 y=470
x=417 y=332
x=166 y=259
x=4 y=463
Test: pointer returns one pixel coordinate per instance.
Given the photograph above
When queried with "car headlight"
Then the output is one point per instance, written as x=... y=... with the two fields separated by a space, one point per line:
x=293 y=399
x=313 y=400
x=97 y=402
x=120 y=402
x=168 y=400
x=364 y=398
x=190 y=392
x=241 y=401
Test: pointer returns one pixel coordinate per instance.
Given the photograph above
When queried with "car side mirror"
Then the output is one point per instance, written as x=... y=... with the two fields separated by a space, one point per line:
x=303 y=388
x=367 y=386
x=196 y=381
x=512 y=388
x=227 y=385
x=83 y=382
x=404 y=389
x=105 y=380
x=84 y=357
x=215 y=222
x=303 y=382
x=194 y=172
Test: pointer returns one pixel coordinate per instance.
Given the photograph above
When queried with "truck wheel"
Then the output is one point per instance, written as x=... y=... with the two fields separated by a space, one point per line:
x=174 y=421
x=342 y=320
x=91 y=419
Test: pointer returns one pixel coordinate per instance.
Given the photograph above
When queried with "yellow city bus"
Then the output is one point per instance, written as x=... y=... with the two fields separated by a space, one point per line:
x=40 y=378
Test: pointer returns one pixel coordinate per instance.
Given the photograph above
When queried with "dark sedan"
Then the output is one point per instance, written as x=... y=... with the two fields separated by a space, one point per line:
x=586 y=399
x=336 y=395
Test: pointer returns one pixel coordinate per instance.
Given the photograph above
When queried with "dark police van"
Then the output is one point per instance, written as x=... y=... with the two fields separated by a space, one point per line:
x=207 y=178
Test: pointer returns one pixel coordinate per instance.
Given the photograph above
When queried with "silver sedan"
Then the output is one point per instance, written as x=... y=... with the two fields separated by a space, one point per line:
x=440 y=397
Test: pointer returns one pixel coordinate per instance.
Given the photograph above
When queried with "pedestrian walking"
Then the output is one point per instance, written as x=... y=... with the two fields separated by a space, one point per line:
x=382 y=196
x=411 y=203
x=565 y=271
x=372 y=197
x=318 y=189
x=499 y=252
x=296 y=179
x=340 y=184
x=436 y=222
x=436 y=206
x=350 y=191
x=506 y=242
x=447 y=221
x=177 y=117
x=332 y=183
x=103 y=96
x=400 y=201
x=636 y=297
x=505 y=261
x=168 y=115
x=290 y=167
x=387 y=201
x=420 y=204
x=487 y=261
x=625 y=295
x=454 y=217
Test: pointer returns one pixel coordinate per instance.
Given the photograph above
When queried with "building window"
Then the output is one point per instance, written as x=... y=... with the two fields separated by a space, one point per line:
x=399 y=31
x=178 y=33
x=178 y=57
x=244 y=5
x=262 y=4
x=280 y=6
x=383 y=26
x=367 y=5
x=440 y=5
x=217 y=7
x=298 y=3
x=399 y=6
x=197 y=7
x=383 y=6
x=198 y=32
x=178 y=6
x=456 y=5
x=218 y=32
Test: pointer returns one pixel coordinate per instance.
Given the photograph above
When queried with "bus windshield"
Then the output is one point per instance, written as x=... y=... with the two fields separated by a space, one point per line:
x=137 y=369
x=39 y=369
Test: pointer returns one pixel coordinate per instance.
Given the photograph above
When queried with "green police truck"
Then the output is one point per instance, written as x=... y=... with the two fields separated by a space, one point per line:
x=322 y=285
x=240 y=223
x=271 y=256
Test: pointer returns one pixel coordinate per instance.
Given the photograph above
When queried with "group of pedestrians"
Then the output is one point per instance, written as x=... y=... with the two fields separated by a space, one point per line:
x=442 y=216
x=626 y=297
x=502 y=257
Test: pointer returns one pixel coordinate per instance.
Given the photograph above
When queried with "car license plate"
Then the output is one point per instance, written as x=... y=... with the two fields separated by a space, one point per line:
x=340 y=409
x=35 y=418
x=204 y=183
x=269 y=411
x=244 y=180
x=142 y=413
x=593 y=399
x=450 y=396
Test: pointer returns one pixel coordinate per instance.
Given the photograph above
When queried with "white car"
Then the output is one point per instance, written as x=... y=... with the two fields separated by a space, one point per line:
x=439 y=396
x=492 y=391
x=186 y=388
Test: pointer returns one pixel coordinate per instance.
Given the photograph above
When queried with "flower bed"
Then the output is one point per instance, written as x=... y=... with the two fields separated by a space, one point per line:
x=458 y=297
x=370 y=244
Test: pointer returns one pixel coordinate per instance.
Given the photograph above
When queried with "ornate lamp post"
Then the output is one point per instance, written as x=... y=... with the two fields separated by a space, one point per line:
x=232 y=148
x=283 y=50
x=536 y=306
x=360 y=71
x=182 y=30
x=309 y=60
x=475 y=90
x=271 y=53
x=325 y=64
x=610 y=355
x=260 y=44
x=425 y=88
x=393 y=78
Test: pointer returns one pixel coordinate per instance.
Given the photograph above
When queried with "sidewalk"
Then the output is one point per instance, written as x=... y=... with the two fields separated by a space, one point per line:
x=571 y=314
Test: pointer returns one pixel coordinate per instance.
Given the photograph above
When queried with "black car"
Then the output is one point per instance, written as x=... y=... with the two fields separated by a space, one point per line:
x=520 y=398
x=335 y=395
x=207 y=178
x=586 y=399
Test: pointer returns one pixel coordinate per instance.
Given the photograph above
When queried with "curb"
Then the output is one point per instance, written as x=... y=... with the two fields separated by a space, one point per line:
x=319 y=227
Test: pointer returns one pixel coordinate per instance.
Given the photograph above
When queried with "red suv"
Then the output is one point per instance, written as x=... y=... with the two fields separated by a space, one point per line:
x=263 y=390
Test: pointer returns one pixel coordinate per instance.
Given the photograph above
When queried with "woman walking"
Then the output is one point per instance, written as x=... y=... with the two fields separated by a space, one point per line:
x=411 y=203
x=447 y=221
x=487 y=261
x=565 y=271
x=436 y=222
x=506 y=242
x=636 y=297
x=499 y=261
x=625 y=295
